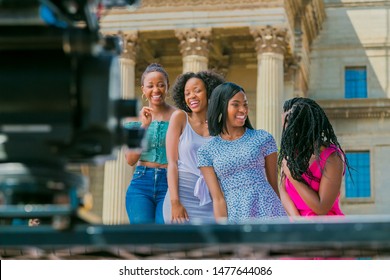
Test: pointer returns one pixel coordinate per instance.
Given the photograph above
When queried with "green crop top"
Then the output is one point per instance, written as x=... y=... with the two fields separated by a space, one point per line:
x=155 y=150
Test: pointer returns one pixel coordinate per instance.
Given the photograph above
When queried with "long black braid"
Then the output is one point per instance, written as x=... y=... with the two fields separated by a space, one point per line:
x=306 y=129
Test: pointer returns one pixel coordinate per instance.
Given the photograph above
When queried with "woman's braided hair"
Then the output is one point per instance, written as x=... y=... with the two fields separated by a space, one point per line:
x=306 y=129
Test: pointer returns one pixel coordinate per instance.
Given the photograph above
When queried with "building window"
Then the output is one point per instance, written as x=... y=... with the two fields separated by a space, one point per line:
x=356 y=82
x=359 y=186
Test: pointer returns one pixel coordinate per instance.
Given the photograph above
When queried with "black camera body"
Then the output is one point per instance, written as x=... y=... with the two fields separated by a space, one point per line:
x=60 y=102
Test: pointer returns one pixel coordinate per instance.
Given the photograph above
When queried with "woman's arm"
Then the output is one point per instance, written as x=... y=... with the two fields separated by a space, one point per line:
x=288 y=204
x=145 y=117
x=132 y=157
x=271 y=171
x=322 y=201
x=175 y=129
x=219 y=202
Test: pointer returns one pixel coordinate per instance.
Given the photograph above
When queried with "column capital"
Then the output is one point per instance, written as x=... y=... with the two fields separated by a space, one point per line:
x=291 y=65
x=194 y=41
x=270 y=39
x=130 y=45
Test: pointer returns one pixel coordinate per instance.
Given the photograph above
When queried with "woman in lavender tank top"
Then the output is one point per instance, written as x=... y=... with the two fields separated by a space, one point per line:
x=187 y=199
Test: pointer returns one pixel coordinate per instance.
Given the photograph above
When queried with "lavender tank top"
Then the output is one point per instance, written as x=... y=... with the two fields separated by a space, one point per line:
x=189 y=143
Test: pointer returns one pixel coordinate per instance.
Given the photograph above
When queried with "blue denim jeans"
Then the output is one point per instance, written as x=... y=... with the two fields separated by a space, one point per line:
x=145 y=195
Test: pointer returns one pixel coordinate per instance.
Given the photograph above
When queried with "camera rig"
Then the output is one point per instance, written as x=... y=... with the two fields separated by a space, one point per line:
x=60 y=102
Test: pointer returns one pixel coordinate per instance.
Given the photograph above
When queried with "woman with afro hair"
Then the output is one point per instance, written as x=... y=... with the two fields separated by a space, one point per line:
x=187 y=199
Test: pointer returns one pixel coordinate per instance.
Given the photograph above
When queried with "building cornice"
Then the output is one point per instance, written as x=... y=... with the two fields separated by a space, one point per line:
x=147 y=5
x=174 y=19
x=356 y=108
x=355 y=3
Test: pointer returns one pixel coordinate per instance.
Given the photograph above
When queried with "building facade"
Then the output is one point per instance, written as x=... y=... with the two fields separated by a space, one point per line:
x=328 y=50
x=350 y=77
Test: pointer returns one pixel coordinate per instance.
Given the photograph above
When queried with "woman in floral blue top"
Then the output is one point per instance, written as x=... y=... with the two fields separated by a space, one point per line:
x=240 y=163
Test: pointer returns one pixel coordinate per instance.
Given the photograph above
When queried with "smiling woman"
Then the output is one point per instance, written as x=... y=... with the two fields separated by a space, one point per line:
x=239 y=165
x=186 y=200
x=145 y=195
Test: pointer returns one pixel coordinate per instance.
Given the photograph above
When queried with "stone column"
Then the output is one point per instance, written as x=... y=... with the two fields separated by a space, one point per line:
x=117 y=173
x=194 y=46
x=270 y=46
x=127 y=64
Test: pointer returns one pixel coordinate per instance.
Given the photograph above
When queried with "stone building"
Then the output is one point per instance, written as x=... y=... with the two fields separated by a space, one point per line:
x=334 y=51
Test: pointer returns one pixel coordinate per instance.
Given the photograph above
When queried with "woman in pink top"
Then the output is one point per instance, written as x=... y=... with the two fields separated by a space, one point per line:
x=311 y=160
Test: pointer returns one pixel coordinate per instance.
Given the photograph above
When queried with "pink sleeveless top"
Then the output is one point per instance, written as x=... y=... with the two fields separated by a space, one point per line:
x=315 y=168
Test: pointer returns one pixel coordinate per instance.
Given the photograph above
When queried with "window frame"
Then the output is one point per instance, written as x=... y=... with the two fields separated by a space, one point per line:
x=354 y=200
x=344 y=79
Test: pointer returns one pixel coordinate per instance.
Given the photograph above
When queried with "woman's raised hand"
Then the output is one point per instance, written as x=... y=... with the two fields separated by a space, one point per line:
x=146 y=116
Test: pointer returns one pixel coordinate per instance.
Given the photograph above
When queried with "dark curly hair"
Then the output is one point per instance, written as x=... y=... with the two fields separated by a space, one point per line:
x=210 y=79
x=306 y=129
x=154 y=67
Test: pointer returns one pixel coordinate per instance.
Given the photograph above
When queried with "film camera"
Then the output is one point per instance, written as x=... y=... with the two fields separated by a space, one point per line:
x=60 y=102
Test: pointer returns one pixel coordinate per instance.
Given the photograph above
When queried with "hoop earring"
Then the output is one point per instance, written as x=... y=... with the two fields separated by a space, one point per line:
x=143 y=97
